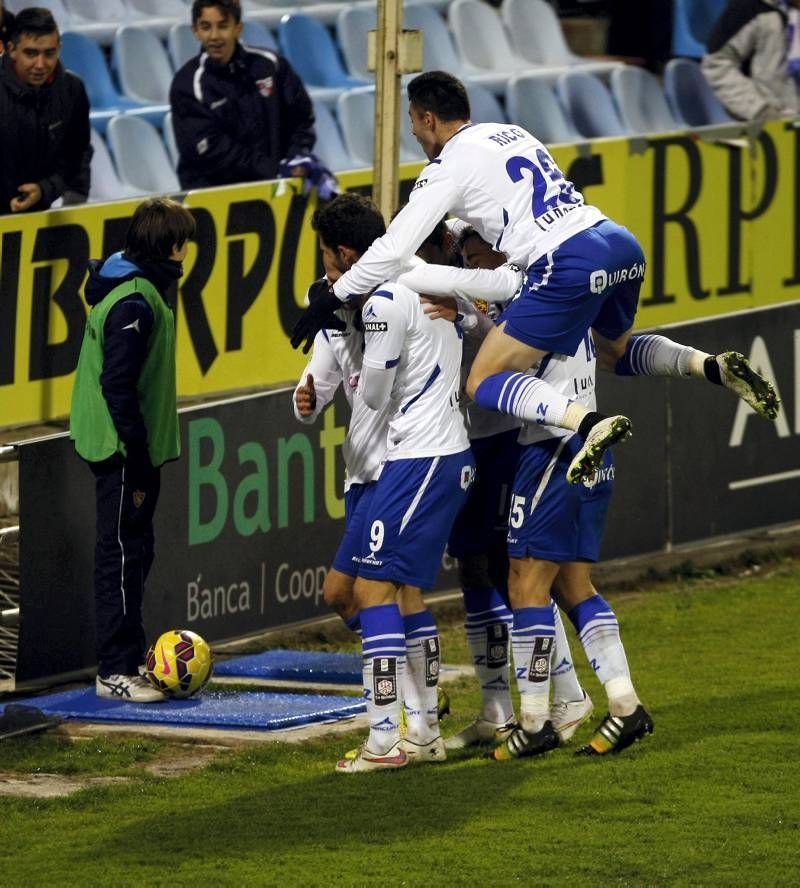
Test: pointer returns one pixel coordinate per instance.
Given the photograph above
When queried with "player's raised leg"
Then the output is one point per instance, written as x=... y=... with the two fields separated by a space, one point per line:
x=650 y=354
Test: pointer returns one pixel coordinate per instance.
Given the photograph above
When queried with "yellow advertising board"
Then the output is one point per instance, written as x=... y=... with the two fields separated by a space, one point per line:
x=718 y=221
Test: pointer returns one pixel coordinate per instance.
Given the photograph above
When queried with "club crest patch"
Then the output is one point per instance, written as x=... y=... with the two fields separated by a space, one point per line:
x=139 y=496
x=540 y=659
x=265 y=86
x=384 y=678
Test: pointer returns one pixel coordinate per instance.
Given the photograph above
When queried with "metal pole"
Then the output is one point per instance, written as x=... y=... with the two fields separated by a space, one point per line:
x=385 y=190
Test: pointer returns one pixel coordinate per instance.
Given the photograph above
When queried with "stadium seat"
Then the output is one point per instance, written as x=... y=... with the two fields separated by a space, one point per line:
x=82 y=55
x=140 y=155
x=356 y=109
x=98 y=19
x=106 y=184
x=310 y=49
x=690 y=95
x=484 y=107
x=590 y=105
x=256 y=34
x=169 y=140
x=537 y=36
x=641 y=102
x=158 y=15
x=145 y=83
x=60 y=12
x=692 y=24
x=182 y=45
x=330 y=147
x=483 y=44
x=352 y=25
x=531 y=103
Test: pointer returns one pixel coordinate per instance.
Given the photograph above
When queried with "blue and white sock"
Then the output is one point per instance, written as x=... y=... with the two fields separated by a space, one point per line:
x=528 y=398
x=566 y=687
x=488 y=626
x=651 y=355
x=383 y=643
x=598 y=630
x=533 y=641
x=421 y=676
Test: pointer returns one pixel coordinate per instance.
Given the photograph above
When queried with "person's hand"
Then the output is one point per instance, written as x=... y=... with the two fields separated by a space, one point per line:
x=29 y=195
x=305 y=398
x=319 y=315
x=436 y=307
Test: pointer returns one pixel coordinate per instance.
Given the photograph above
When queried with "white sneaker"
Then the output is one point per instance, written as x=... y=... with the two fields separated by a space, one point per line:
x=128 y=688
x=587 y=460
x=420 y=753
x=567 y=717
x=366 y=760
x=480 y=733
x=738 y=375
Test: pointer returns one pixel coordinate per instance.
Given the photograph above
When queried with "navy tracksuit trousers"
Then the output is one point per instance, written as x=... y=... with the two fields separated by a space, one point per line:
x=123 y=557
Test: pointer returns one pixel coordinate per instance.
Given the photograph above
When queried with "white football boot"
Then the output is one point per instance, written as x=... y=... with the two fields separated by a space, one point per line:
x=127 y=688
x=737 y=375
x=366 y=760
x=567 y=717
x=480 y=733
x=419 y=753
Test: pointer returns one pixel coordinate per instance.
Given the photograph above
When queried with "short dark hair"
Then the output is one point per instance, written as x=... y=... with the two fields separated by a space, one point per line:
x=158 y=225
x=437 y=236
x=232 y=8
x=35 y=21
x=7 y=24
x=465 y=234
x=349 y=220
x=440 y=92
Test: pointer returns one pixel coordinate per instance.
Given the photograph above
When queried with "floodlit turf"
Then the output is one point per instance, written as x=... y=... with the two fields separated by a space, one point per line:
x=712 y=798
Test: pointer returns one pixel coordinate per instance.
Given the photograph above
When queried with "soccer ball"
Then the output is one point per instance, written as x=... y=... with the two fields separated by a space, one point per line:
x=180 y=663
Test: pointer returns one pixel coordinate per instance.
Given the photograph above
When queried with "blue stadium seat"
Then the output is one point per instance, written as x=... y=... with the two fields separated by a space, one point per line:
x=158 y=15
x=330 y=147
x=310 y=49
x=140 y=155
x=356 y=110
x=256 y=34
x=106 y=184
x=182 y=45
x=642 y=105
x=531 y=102
x=590 y=105
x=141 y=65
x=484 y=107
x=690 y=95
x=82 y=55
x=692 y=24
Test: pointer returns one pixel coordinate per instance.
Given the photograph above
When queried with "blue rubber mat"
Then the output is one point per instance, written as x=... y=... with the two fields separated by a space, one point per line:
x=254 y=710
x=310 y=666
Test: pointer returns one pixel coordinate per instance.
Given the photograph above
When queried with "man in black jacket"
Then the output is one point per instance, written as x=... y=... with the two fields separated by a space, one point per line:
x=45 y=146
x=240 y=114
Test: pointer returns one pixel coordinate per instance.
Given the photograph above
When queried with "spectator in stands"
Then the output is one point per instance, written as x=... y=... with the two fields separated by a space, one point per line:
x=240 y=114
x=6 y=18
x=45 y=147
x=124 y=421
x=753 y=60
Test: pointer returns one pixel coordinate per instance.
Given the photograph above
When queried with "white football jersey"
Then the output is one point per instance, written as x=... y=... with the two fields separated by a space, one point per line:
x=498 y=178
x=571 y=376
x=336 y=359
x=424 y=414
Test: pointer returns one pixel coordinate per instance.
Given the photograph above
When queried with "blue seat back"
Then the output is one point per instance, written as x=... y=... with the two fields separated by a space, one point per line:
x=590 y=105
x=311 y=51
x=641 y=102
x=690 y=95
x=531 y=102
x=83 y=56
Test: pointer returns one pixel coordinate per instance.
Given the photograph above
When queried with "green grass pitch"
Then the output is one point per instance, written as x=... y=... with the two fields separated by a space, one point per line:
x=712 y=798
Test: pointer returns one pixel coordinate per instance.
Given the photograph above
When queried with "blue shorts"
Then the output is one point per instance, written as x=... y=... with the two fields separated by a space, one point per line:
x=551 y=518
x=409 y=515
x=591 y=280
x=347 y=555
x=486 y=508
